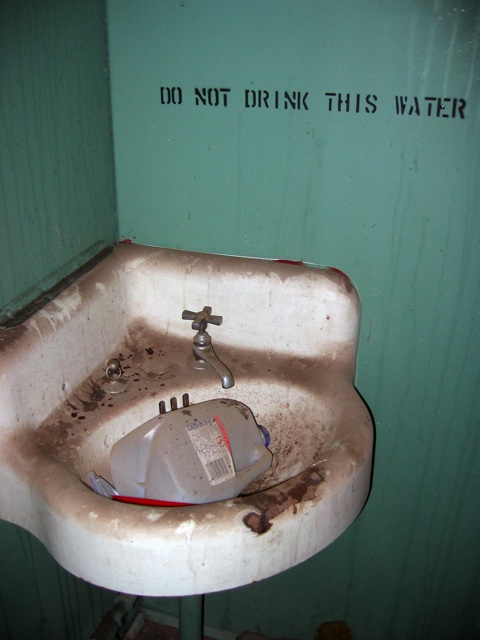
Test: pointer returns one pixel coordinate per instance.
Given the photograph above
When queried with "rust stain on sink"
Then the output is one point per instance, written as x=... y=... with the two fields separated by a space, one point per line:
x=275 y=501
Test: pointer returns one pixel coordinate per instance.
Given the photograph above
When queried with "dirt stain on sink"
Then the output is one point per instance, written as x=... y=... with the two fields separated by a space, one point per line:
x=275 y=501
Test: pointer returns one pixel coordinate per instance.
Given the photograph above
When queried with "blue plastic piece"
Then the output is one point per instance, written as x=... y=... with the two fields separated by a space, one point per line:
x=265 y=434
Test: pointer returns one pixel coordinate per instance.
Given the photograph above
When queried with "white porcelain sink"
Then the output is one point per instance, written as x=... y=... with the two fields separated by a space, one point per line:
x=289 y=336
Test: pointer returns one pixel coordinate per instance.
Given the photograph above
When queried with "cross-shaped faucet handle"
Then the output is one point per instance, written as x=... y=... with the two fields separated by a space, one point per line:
x=201 y=318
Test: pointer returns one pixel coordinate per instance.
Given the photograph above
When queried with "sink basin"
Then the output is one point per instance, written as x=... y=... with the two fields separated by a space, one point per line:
x=289 y=336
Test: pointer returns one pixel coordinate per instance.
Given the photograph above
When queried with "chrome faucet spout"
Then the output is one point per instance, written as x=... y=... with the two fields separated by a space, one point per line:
x=202 y=343
x=203 y=352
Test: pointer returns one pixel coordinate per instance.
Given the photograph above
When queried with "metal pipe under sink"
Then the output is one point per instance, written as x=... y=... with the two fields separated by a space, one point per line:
x=191 y=617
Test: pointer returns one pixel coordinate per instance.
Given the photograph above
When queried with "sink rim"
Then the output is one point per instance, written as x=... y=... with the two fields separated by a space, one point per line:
x=101 y=528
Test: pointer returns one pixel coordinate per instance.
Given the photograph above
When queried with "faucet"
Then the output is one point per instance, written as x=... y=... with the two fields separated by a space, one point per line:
x=202 y=343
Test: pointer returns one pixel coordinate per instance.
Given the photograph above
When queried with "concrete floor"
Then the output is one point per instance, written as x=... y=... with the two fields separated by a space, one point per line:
x=154 y=631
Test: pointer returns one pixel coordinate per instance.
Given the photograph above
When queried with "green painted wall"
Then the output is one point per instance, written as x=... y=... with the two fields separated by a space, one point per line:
x=38 y=599
x=57 y=207
x=391 y=199
x=57 y=192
